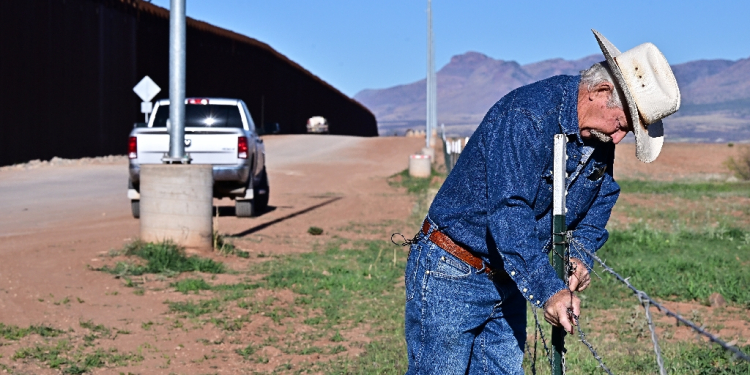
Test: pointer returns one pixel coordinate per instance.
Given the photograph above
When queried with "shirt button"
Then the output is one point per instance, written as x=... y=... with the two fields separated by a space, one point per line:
x=538 y=302
x=524 y=290
x=513 y=273
x=531 y=296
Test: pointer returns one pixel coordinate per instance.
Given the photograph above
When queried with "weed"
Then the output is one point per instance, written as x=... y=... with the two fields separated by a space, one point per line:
x=337 y=337
x=194 y=309
x=246 y=352
x=226 y=248
x=162 y=258
x=740 y=166
x=315 y=231
x=70 y=360
x=98 y=329
x=191 y=285
x=415 y=185
x=11 y=332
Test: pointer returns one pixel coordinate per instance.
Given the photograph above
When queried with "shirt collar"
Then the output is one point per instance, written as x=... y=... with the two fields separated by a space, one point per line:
x=569 y=109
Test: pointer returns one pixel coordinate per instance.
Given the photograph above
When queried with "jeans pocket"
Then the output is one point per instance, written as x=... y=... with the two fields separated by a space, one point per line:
x=449 y=267
x=410 y=274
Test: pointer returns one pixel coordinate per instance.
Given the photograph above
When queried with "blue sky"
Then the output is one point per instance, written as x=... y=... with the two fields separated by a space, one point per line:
x=357 y=44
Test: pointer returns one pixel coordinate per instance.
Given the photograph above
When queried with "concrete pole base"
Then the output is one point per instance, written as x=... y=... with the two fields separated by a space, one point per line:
x=420 y=166
x=176 y=204
x=429 y=151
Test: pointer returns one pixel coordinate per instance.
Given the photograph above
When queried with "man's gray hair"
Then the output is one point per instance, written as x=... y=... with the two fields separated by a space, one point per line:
x=597 y=74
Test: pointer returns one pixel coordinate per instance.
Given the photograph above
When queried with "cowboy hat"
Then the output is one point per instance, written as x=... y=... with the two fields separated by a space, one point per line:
x=650 y=90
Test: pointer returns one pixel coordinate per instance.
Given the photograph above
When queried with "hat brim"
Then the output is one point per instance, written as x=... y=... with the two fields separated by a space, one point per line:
x=648 y=142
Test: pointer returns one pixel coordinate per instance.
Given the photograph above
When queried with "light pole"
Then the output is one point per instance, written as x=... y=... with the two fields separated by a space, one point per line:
x=431 y=99
x=176 y=83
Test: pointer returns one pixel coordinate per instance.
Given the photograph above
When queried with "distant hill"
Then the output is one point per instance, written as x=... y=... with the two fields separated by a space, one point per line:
x=715 y=95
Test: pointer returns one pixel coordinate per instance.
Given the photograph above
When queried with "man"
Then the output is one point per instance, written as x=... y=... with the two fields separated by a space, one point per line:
x=482 y=253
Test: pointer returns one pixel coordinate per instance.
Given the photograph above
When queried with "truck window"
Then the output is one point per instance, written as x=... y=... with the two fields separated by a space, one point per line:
x=203 y=116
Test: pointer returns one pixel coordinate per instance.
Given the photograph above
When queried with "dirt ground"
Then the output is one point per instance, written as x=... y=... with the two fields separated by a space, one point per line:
x=59 y=221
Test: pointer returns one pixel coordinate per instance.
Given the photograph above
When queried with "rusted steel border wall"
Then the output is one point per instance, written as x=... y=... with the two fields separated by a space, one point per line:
x=67 y=68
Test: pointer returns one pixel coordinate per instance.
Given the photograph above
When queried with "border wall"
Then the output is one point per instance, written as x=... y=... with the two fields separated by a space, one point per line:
x=67 y=69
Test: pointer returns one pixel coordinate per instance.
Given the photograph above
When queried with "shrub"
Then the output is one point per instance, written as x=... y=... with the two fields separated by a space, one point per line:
x=740 y=166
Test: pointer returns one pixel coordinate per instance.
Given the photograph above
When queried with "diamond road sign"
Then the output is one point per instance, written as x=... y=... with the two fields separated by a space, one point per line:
x=146 y=89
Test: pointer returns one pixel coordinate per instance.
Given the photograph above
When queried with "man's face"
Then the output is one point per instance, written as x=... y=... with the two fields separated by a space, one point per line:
x=598 y=120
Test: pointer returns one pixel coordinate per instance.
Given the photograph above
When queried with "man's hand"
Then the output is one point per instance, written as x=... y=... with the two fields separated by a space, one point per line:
x=578 y=276
x=556 y=309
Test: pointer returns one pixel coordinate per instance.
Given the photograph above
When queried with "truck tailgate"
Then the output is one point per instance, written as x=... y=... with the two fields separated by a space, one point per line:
x=203 y=147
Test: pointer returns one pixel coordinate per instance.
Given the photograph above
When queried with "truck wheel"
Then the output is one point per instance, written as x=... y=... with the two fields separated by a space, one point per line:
x=243 y=208
x=261 y=193
x=135 y=206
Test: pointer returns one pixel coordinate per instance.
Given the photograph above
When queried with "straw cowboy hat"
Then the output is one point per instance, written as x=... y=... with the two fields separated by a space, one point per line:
x=650 y=91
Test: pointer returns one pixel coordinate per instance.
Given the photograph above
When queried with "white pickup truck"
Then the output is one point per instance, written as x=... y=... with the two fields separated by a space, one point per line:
x=219 y=132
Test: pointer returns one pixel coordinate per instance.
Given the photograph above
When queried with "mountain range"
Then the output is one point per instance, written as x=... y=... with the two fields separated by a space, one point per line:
x=715 y=96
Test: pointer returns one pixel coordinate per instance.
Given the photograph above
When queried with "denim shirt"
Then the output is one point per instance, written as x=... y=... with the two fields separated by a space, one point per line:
x=497 y=200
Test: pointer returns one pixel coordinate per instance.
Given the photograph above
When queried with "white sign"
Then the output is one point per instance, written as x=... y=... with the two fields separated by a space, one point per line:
x=146 y=89
x=147 y=107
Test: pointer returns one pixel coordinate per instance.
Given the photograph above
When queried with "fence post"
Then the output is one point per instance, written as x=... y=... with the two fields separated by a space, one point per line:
x=559 y=239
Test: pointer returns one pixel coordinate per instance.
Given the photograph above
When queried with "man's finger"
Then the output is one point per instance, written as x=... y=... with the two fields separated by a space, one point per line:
x=576 y=306
x=573 y=282
x=565 y=322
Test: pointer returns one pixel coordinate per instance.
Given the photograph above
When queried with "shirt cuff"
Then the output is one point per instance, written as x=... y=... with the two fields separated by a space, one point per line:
x=538 y=286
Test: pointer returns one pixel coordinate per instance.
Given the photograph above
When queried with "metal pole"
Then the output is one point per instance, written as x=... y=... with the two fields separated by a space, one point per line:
x=558 y=238
x=176 y=80
x=429 y=125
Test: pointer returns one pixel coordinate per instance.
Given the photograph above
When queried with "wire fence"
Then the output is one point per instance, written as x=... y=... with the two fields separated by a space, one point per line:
x=645 y=300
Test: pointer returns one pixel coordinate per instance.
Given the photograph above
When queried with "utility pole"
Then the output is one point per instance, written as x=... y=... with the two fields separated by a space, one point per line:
x=559 y=240
x=176 y=197
x=431 y=123
x=177 y=44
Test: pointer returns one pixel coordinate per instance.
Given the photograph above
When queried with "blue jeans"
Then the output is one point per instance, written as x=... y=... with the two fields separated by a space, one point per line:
x=458 y=321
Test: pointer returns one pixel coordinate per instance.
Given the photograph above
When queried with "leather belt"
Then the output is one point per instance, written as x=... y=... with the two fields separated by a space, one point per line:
x=447 y=244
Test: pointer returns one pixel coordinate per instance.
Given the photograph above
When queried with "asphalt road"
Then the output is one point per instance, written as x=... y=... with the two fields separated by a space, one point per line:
x=31 y=200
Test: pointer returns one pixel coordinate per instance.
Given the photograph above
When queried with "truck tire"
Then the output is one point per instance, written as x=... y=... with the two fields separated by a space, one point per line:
x=261 y=193
x=135 y=206
x=243 y=208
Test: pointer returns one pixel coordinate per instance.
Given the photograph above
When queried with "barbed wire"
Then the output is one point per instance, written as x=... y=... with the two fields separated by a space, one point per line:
x=659 y=361
x=544 y=342
x=643 y=296
x=588 y=345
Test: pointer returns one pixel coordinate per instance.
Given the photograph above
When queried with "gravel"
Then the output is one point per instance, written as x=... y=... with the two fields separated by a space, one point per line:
x=57 y=162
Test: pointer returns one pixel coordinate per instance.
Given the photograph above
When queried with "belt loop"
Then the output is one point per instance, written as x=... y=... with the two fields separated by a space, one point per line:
x=483 y=269
x=431 y=228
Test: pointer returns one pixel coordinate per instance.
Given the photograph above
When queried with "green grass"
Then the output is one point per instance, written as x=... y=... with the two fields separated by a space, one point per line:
x=416 y=185
x=15 y=333
x=191 y=285
x=639 y=358
x=688 y=190
x=340 y=279
x=683 y=266
x=70 y=360
x=162 y=258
